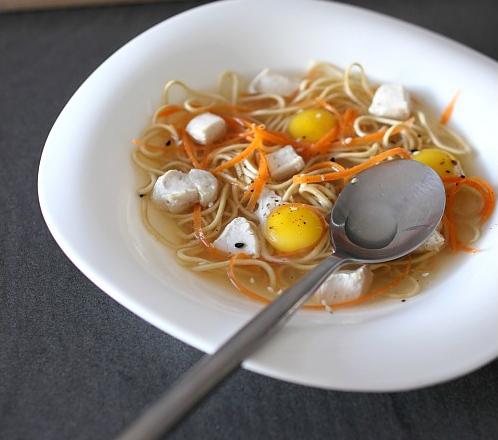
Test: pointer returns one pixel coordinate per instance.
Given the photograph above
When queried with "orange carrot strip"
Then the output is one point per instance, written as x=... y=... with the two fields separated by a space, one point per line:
x=323 y=144
x=233 y=122
x=239 y=286
x=344 y=127
x=482 y=186
x=211 y=148
x=189 y=149
x=201 y=236
x=242 y=122
x=251 y=148
x=487 y=193
x=448 y=221
x=278 y=138
x=448 y=111
x=446 y=228
x=452 y=179
x=398 y=151
x=199 y=233
x=169 y=110
x=347 y=120
x=260 y=182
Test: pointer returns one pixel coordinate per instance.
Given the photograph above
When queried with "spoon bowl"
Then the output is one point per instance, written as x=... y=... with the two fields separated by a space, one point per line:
x=384 y=213
x=387 y=211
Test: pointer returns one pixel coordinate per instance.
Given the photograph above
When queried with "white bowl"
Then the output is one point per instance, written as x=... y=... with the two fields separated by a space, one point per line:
x=87 y=192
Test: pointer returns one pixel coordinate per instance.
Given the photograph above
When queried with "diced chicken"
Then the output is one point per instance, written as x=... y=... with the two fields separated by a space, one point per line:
x=434 y=242
x=206 y=128
x=237 y=237
x=175 y=192
x=206 y=185
x=284 y=163
x=273 y=83
x=391 y=101
x=345 y=285
x=267 y=202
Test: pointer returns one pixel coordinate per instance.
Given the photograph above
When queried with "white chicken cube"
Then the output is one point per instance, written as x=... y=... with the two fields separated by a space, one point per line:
x=237 y=237
x=268 y=201
x=175 y=192
x=206 y=128
x=284 y=163
x=206 y=185
x=345 y=285
x=272 y=83
x=434 y=243
x=391 y=101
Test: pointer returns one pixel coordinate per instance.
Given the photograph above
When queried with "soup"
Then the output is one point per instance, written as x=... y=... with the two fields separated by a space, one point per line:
x=246 y=178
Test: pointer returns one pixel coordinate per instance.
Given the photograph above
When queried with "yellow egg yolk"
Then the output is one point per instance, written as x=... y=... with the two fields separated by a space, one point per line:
x=440 y=161
x=311 y=124
x=293 y=227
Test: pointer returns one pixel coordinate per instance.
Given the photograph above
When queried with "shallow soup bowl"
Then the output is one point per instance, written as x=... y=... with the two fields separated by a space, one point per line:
x=87 y=190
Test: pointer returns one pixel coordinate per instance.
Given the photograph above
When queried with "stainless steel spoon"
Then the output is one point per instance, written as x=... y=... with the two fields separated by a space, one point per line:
x=384 y=213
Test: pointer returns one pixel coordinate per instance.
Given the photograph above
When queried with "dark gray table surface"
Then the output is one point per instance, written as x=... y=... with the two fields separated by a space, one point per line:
x=76 y=365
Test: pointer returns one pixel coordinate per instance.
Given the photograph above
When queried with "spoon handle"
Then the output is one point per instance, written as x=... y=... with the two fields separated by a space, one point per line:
x=211 y=369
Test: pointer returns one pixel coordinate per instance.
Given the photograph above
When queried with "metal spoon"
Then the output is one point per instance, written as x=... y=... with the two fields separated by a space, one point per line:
x=384 y=213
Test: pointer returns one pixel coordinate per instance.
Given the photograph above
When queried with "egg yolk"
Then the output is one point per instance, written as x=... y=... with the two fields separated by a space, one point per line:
x=440 y=161
x=311 y=124
x=293 y=227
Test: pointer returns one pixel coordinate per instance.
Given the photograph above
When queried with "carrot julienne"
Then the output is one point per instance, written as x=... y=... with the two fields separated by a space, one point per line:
x=189 y=150
x=169 y=110
x=323 y=144
x=448 y=111
x=349 y=172
x=255 y=144
x=201 y=236
x=237 y=284
x=213 y=147
x=277 y=138
x=347 y=122
x=449 y=223
x=484 y=188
